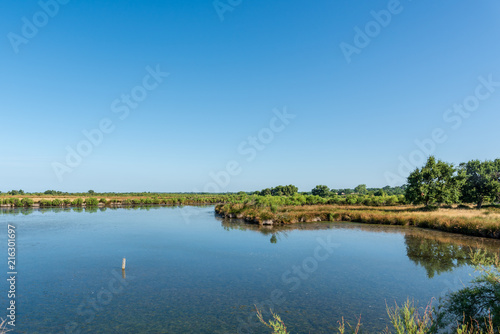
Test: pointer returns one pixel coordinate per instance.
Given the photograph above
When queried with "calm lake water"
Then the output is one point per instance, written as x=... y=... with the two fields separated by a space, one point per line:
x=189 y=271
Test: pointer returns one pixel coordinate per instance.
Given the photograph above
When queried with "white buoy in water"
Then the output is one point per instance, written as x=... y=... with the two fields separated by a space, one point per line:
x=124 y=261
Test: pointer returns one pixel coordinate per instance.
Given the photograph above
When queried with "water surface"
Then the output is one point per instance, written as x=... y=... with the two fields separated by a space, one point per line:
x=188 y=271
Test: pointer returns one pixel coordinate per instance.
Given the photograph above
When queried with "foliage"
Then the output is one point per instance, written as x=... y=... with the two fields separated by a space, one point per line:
x=478 y=305
x=28 y=202
x=54 y=192
x=321 y=190
x=45 y=202
x=92 y=201
x=410 y=320
x=361 y=189
x=289 y=190
x=309 y=208
x=481 y=181
x=15 y=192
x=435 y=182
x=277 y=325
x=77 y=202
x=353 y=330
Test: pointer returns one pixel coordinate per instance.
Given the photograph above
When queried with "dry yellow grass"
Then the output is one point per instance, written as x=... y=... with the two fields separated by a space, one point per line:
x=484 y=222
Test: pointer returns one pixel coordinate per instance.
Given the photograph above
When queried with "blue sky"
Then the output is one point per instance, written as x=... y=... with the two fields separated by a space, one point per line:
x=354 y=122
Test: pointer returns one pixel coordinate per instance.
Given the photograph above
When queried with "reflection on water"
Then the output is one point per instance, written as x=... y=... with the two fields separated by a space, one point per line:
x=189 y=271
x=435 y=255
x=437 y=252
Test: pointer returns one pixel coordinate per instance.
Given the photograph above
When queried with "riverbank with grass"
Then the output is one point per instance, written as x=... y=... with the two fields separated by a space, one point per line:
x=461 y=219
x=103 y=200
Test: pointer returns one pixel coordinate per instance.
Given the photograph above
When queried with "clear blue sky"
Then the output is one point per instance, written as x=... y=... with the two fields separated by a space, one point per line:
x=353 y=122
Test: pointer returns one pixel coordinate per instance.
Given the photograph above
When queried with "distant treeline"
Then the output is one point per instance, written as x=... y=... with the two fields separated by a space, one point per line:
x=172 y=199
x=437 y=182
x=94 y=193
x=324 y=191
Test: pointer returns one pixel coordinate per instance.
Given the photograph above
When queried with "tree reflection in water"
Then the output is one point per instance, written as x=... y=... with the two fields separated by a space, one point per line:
x=442 y=252
x=434 y=255
x=437 y=252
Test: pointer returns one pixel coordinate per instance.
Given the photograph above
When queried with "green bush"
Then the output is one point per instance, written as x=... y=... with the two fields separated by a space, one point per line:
x=92 y=201
x=77 y=202
x=352 y=200
x=392 y=200
x=28 y=202
x=45 y=203
x=56 y=202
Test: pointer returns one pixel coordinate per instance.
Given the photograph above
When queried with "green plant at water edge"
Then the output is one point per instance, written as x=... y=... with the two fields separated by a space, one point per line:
x=354 y=330
x=45 y=202
x=56 y=202
x=27 y=202
x=92 y=201
x=277 y=325
x=477 y=315
x=473 y=329
x=77 y=202
x=408 y=320
x=476 y=306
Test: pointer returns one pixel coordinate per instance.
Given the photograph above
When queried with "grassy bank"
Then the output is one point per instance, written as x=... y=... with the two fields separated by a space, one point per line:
x=463 y=220
x=44 y=200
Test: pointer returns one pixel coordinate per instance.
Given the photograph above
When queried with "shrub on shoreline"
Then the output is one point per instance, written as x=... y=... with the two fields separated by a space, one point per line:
x=91 y=202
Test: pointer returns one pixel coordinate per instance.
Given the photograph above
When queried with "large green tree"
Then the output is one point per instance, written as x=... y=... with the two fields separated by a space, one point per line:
x=436 y=182
x=321 y=190
x=288 y=190
x=361 y=189
x=481 y=181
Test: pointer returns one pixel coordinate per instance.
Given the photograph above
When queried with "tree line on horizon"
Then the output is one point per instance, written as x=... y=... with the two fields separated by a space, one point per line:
x=436 y=182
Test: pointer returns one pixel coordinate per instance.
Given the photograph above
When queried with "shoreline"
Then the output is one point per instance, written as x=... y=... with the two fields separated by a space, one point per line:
x=459 y=224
